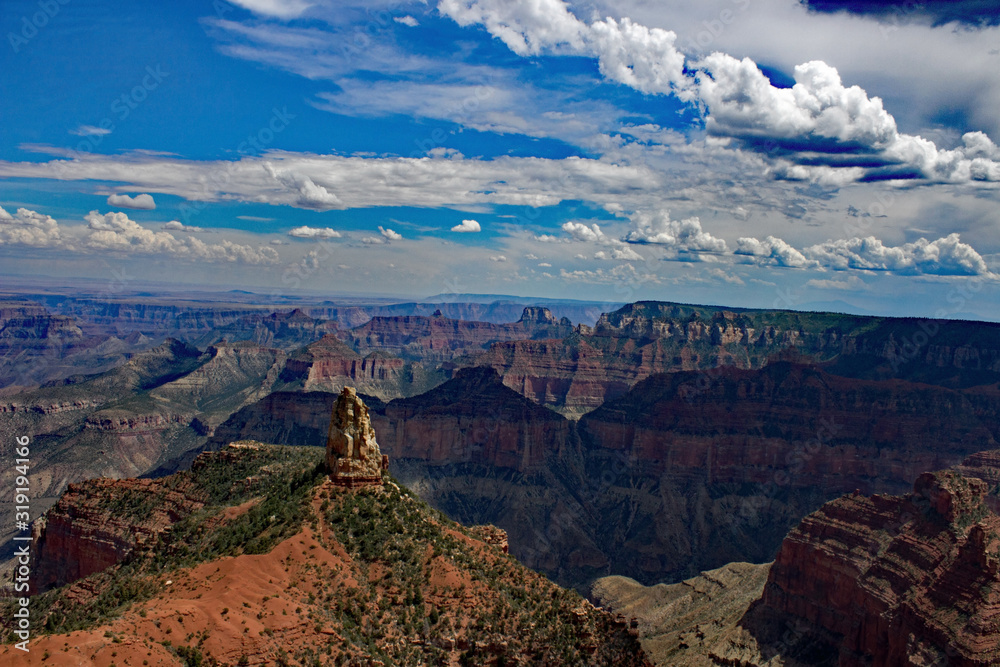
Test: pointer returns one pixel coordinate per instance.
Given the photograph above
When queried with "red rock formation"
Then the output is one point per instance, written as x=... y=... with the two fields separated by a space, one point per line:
x=353 y=457
x=491 y=535
x=472 y=418
x=331 y=364
x=85 y=531
x=794 y=425
x=583 y=370
x=897 y=580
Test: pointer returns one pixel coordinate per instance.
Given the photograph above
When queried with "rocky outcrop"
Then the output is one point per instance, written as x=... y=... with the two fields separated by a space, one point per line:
x=896 y=580
x=491 y=535
x=330 y=365
x=100 y=522
x=353 y=457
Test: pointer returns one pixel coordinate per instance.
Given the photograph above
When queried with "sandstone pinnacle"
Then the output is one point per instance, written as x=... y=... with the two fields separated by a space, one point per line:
x=352 y=454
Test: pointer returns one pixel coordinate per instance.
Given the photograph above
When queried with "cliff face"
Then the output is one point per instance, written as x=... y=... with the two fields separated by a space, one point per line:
x=330 y=365
x=353 y=457
x=581 y=371
x=33 y=342
x=816 y=429
x=472 y=418
x=87 y=532
x=897 y=580
x=286 y=331
x=438 y=338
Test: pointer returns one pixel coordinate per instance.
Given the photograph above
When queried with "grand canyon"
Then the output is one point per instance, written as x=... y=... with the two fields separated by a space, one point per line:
x=698 y=479
x=496 y=333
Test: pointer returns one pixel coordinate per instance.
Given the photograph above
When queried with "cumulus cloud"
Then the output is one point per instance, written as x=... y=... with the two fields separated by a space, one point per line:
x=385 y=236
x=683 y=235
x=389 y=235
x=626 y=253
x=773 y=251
x=144 y=202
x=178 y=226
x=305 y=232
x=582 y=232
x=116 y=232
x=406 y=20
x=498 y=258
x=818 y=130
x=946 y=256
x=307 y=194
x=30 y=228
x=622 y=274
x=467 y=226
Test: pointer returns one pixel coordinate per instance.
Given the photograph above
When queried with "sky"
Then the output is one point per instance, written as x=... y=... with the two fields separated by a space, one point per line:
x=762 y=153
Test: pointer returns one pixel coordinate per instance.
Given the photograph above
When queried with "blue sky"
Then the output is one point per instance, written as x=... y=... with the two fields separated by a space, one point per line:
x=748 y=154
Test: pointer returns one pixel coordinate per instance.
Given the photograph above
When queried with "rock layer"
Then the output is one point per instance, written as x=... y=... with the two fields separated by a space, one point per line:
x=353 y=457
x=897 y=580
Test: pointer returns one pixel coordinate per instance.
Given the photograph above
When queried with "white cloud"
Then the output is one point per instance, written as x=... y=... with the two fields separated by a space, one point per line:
x=626 y=253
x=725 y=276
x=498 y=258
x=28 y=228
x=467 y=226
x=90 y=131
x=684 y=235
x=116 y=232
x=306 y=193
x=581 y=232
x=144 y=202
x=773 y=251
x=944 y=256
x=852 y=283
x=643 y=58
x=406 y=20
x=178 y=226
x=622 y=274
x=817 y=130
x=545 y=264
x=282 y=9
x=305 y=232
x=389 y=235
x=305 y=180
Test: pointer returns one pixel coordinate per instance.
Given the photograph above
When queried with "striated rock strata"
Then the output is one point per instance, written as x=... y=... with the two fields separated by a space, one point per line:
x=896 y=580
x=353 y=457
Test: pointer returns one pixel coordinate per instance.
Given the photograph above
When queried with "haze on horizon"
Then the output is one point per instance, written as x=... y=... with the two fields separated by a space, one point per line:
x=744 y=152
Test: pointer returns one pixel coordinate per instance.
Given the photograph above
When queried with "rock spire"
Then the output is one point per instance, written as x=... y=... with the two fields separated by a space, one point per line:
x=352 y=454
